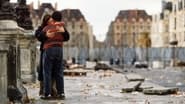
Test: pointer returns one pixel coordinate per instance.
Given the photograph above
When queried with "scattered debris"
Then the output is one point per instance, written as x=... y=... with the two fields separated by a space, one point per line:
x=141 y=64
x=75 y=73
x=136 y=83
x=102 y=66
x=90 y=65
x=75 y=66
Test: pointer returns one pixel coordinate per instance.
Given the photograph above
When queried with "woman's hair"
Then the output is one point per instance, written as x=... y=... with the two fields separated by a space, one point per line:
x=45 y=20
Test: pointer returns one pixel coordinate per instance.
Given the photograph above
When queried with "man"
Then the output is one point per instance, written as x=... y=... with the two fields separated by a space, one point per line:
x=53 y=55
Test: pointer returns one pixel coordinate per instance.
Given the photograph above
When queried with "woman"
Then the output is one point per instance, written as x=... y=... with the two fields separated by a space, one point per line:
x=41 y=36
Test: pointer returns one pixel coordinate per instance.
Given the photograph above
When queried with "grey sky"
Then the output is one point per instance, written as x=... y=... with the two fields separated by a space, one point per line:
x=99 y=13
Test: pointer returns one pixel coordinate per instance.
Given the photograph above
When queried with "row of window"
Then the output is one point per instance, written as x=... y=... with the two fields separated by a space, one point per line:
x=133 y=27
x=73 y=25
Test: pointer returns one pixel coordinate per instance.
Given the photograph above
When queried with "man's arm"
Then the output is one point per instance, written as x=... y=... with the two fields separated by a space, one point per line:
x=64 y=32
x=66 y=35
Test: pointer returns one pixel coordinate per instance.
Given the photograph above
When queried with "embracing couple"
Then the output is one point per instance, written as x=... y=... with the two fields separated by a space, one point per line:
x=52 y=33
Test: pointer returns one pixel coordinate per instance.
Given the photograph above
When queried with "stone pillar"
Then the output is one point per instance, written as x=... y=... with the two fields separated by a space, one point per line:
x=28 y=57
x=9 y=39
x=3 y=74
x=10 y=34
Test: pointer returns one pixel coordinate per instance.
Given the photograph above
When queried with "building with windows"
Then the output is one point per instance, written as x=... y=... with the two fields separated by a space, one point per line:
x=177 y=23
x=160 y=33
x=128 y=28
x=81 y=34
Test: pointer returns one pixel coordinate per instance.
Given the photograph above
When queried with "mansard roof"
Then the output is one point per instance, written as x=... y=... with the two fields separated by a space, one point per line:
x=70 y=14
x=130 y=14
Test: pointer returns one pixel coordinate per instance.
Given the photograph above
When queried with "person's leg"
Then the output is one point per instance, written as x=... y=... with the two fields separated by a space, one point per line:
x=53 y=87
x=47 y=65
x=59 y=72
x=53 y=84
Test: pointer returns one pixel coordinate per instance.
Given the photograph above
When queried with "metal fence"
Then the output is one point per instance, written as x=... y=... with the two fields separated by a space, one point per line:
x=127 y=55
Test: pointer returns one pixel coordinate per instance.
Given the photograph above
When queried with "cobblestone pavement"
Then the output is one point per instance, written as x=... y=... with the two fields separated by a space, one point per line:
x=102 y=87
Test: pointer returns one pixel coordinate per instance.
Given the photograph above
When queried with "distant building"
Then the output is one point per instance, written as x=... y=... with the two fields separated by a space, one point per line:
x=78 y=27
x=80 y=30
x=177 y=23
x=160 y=29
x=127 y=28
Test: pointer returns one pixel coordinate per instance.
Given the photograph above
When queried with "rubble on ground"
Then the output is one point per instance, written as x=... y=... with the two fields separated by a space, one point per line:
x=136 y=82
x=102 y=66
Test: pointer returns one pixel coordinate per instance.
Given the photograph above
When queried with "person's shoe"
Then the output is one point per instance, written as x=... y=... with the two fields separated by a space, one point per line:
x=45 y=97
x=61 y=97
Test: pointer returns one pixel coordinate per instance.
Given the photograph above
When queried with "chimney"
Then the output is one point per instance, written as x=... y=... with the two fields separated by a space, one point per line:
x=38 y=4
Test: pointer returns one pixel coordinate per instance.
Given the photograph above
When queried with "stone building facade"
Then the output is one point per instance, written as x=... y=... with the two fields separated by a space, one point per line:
x=177 y=23
x=77 y=26
x=80 y=33
x=127 y=28
x=160 y=34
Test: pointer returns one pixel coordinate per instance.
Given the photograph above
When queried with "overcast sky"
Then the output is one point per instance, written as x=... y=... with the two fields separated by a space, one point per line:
x=99 y=13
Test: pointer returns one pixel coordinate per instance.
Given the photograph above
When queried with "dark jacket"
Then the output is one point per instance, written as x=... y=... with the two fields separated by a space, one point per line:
x=41 y=36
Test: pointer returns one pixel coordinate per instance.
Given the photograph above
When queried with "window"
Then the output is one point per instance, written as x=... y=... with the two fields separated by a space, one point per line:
x=118 y=34
x=124 y=26
x=180 y=5
x=133 y=27
x=184 y=20
x=73 y=25
x=149 y=27
x=81 y=33
x=81 y=26
x=141 y=26
x=117 y=27
x=175 y=23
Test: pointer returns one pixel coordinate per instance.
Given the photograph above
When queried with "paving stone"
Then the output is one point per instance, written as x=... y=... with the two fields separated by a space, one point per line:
x=147 y=85
x=134 y=77
x=160 y=91
x=131 y=86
